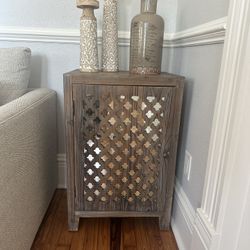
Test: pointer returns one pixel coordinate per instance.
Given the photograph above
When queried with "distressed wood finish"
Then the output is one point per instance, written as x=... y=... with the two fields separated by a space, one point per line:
x=99 y=233
x=123 y=78
x=73 y=220
x=121 y=134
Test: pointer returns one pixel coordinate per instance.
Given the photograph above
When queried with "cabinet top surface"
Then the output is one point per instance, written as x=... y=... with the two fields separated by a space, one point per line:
x=123 y=78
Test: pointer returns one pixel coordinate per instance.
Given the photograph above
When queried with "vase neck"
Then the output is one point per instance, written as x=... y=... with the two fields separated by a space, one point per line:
x=88 y=12
x=148 y=6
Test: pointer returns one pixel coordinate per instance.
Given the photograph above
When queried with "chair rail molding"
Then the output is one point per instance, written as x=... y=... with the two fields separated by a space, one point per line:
x=209 y=218
x=212 y=32
x=208 y=33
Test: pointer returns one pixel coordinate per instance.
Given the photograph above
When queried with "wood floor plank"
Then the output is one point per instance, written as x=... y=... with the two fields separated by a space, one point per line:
x=152 y=227
x=65 y=237
x=104 y=234
x=42 y=246
x=141 y=235
x=168 y=240
x=48 y=222
x=60 y=224
x=78 y=238
x=99 y=233
x=128 y=238
x=62 y=248
x=91 y=233
x=115 y=233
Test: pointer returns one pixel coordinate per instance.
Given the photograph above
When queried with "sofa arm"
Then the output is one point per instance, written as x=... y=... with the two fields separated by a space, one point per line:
x=24 y=103
x=27 y=166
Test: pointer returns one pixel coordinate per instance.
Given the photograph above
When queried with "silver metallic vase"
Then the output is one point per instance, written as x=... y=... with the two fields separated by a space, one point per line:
x=110 y=37
x=88 y=36
x=147 y=30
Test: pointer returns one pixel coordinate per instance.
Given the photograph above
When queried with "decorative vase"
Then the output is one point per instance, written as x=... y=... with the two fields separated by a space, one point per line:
x=110 y=37
x=147 y=30
x=88 y=36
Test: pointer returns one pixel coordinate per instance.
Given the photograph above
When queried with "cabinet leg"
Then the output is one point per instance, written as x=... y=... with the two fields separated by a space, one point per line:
x=73 y=224
x=164 y=223
x=165 y=218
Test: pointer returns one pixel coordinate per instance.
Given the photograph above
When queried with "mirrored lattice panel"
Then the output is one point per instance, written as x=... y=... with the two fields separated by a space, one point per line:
x=123 y=136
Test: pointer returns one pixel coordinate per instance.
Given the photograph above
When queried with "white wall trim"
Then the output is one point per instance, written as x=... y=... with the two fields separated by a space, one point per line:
x=186 y=215
x=178 y=237
x=61 y=170
x=205 y=234
x=183 y=202
x=210 y=216
x=209 y=33
x=226 y=98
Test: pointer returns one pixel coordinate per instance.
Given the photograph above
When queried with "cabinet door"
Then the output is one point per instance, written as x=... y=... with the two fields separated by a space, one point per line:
x=122 y=136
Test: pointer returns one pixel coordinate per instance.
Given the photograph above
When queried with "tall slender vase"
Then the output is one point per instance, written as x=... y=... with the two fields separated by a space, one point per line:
x=110 y=37
x=147 y=30
x=88 y=36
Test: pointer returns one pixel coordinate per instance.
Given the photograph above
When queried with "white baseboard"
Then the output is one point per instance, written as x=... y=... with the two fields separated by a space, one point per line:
x=61 y=170
x=192 y=229
x=205 y=236
x=208 y=33
x=178 y=237
x=183 y=218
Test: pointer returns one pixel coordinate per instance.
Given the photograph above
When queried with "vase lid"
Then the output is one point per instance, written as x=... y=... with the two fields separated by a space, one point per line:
x=87 y=3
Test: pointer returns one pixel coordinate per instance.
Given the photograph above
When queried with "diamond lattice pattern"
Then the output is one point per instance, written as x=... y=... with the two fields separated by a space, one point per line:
x=121 y=152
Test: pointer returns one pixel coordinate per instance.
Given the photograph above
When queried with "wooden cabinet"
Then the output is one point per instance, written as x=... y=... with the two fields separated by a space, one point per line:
x=121 y=139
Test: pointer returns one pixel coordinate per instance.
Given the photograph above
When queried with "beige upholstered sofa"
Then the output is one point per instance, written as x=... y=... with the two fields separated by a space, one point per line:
x=27 y=154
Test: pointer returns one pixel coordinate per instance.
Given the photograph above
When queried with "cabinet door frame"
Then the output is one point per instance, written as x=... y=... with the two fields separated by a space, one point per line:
x=166 y=176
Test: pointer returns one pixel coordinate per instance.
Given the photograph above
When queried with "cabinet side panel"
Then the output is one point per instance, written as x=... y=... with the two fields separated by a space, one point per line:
x=175 y=117
x=69 y=136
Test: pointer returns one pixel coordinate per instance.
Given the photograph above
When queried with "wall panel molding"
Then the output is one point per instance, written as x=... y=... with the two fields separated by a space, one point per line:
x=224 y=145
x=183 y=202
x=209 y=33
x=183 y=218
x=205 y=34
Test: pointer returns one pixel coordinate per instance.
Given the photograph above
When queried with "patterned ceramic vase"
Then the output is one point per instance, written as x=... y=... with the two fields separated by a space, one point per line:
x=88 y=36
x=110 y=37
x=147 y=30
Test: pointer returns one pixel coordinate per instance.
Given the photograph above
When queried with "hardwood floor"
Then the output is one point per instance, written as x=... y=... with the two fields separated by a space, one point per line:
x=99 y=234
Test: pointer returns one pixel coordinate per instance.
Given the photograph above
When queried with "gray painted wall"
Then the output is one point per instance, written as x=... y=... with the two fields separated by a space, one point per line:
x=50 y=61
x=64 y=14
x=199 y=64
x=201 y=67
x=191 y=13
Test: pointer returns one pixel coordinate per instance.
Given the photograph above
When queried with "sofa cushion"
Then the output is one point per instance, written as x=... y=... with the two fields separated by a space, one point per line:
x=14 y=73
